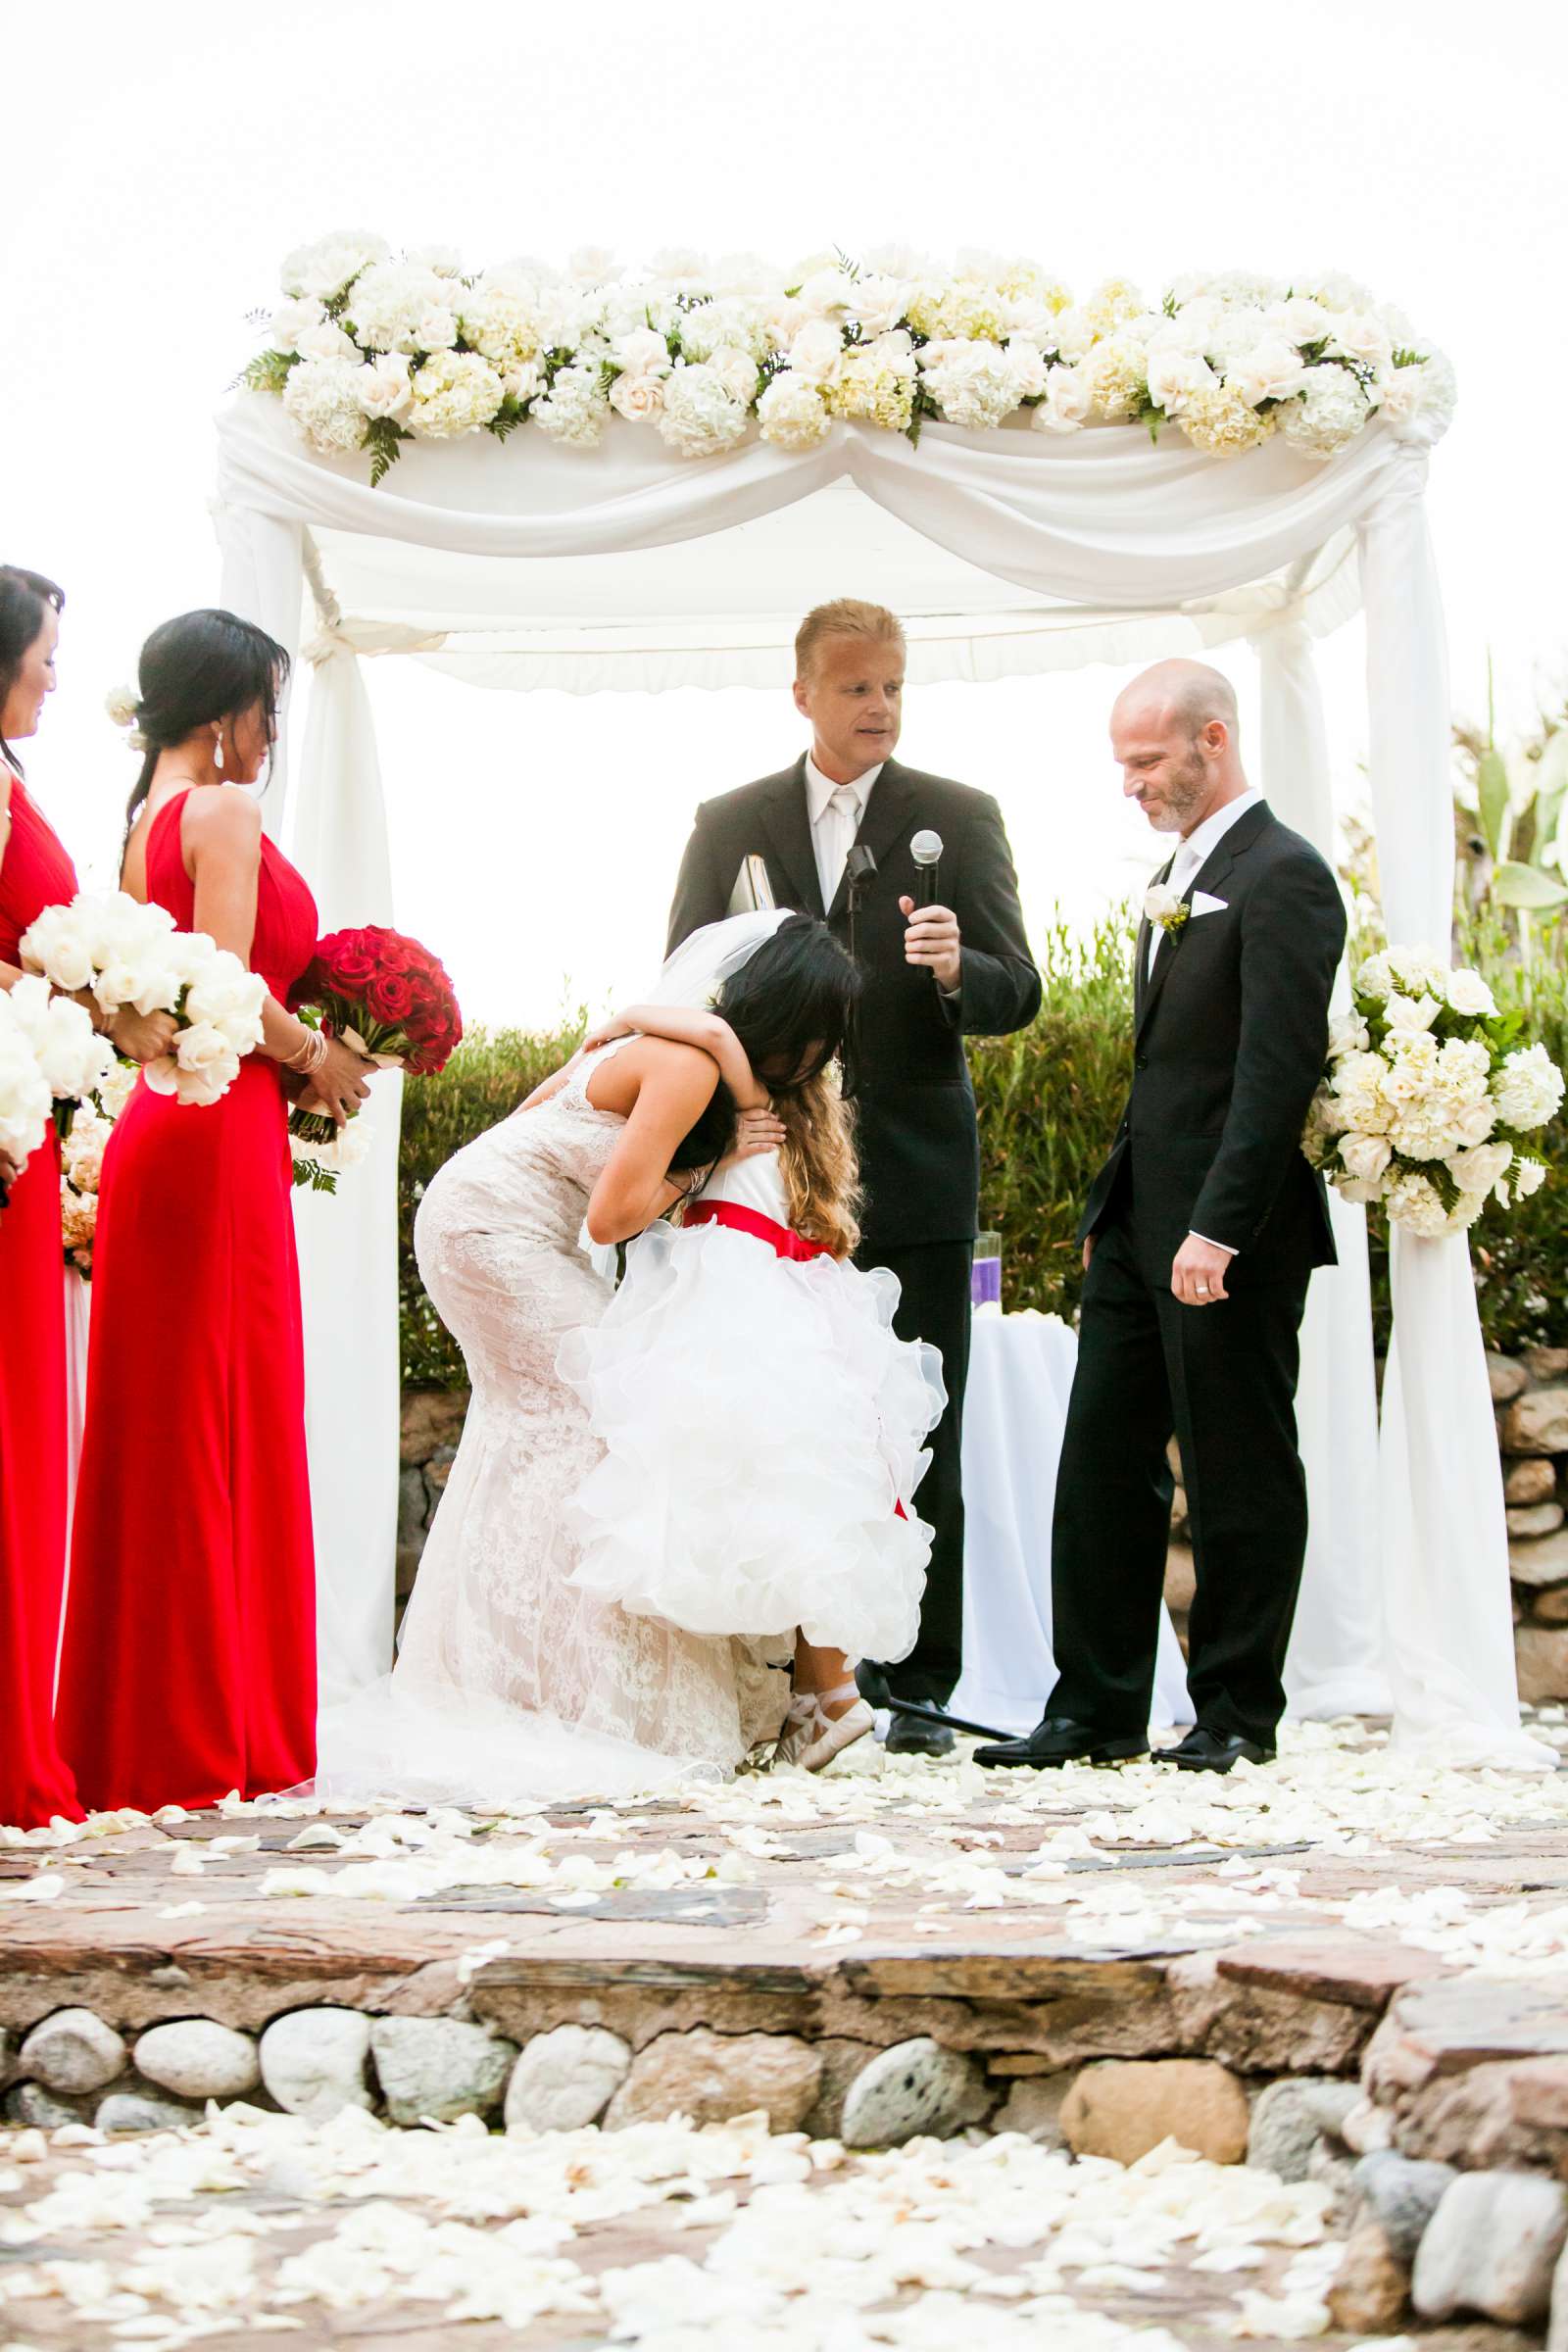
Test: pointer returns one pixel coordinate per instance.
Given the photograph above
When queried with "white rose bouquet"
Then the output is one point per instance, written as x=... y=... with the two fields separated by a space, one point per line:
x=128 y=954
x=1428 y=1099
x=25 y=1101
x=74 y=1058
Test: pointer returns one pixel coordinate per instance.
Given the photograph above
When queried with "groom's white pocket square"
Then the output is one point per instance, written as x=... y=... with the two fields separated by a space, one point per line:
x=1203 y=903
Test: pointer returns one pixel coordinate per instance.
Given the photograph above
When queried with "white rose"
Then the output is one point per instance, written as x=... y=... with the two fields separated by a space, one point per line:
x=1360 y=336
x=1408 y=1013
x=327 y=267
x=1299 y=320
x=638 y=398
x=327 y=341
x=829 y=294
x=791 y=413
x=642 y=351
x=385 y=386
x=229 y=998
x=735 y=371
x=292 y=320
x=1365 y=1156
x=1074 y=334
x=1271 y=371
x=1027 y=368
x=1474 y=1123
x=1529 y=1175
x=817 y=350
x=1160 y=903
x=444 y=259
x=523 y=383
x=61 y=948
x=1469 y=994
x=1066 y=402
x=1367 y=1192
x=202 y=1050
x=1175 y=373
x=1479 y=1170
x=880 y=302
x=1349 y=1034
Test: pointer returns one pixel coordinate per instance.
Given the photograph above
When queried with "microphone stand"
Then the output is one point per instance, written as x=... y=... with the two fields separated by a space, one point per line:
x=860 y=872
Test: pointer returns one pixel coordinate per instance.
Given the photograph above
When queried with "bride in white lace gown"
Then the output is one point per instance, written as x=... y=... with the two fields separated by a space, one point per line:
x=514 y=1682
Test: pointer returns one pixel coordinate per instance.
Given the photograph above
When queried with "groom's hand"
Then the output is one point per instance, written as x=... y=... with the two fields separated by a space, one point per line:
x=933 y=938
x=1197 y=1271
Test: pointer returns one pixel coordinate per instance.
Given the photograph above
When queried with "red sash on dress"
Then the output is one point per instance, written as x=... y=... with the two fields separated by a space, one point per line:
x=779 y=1237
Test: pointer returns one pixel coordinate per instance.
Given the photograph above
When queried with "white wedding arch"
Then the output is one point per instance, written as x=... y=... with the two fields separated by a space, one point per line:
x=626 y=566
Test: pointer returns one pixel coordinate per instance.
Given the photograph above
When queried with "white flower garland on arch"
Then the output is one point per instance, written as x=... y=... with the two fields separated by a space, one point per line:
x=370 y=350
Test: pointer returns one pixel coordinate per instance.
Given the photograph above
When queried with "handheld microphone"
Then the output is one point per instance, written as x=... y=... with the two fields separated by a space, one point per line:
x=926 y=850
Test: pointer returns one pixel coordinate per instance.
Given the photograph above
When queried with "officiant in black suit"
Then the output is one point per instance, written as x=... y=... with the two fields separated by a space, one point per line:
x=1200 y=1236
x=933 y=975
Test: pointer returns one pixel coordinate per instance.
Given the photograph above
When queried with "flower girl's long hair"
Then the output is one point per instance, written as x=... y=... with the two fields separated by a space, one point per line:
x=821 y=1172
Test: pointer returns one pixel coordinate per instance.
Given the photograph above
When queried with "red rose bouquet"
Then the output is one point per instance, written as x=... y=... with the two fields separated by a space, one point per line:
x=390 y=1000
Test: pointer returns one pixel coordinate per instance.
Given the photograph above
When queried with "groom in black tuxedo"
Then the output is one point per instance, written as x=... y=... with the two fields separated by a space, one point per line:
x=1200 y=1235
x=933 y=975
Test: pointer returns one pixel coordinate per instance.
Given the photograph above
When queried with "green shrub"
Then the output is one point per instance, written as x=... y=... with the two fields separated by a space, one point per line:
x=1050 y=1099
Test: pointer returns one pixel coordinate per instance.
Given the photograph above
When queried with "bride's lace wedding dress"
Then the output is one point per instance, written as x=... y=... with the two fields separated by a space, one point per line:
x=513 y=1682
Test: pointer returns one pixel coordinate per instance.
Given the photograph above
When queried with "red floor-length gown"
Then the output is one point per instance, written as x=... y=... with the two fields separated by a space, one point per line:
x=189 y=1664
x=35 y=1781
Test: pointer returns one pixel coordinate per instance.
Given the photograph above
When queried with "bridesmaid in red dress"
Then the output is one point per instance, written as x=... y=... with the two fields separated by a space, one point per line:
x=189 y=1660
x=35 y=872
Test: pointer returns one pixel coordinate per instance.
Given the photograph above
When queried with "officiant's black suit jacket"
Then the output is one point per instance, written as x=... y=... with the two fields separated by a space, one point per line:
x=1231 y=1035
x=919 y=1150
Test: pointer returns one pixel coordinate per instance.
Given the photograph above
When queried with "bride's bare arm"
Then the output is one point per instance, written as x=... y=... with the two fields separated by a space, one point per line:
x=674 y=1086
x=684 y=1027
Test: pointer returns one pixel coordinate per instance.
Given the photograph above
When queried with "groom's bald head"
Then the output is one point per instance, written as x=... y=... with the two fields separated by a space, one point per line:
x=1174 y=734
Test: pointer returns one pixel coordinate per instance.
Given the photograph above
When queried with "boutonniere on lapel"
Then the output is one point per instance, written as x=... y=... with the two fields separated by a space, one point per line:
x=1161 y=906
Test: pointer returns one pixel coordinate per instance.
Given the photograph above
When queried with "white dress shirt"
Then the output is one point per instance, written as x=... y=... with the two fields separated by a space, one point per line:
x=1194 y=852
x=1193 y=855
x=836 y=811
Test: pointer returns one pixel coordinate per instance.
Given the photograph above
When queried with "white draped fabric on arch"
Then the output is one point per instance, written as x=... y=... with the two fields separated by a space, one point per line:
x=1007 y=552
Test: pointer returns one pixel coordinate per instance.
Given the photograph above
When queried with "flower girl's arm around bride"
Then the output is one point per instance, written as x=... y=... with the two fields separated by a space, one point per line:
x=683 y=1026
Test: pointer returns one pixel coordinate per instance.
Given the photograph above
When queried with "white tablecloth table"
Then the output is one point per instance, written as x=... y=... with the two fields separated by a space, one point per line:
x=1021 y=1372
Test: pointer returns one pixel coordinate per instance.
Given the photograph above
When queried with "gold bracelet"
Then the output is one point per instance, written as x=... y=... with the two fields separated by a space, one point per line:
x=308 y=1058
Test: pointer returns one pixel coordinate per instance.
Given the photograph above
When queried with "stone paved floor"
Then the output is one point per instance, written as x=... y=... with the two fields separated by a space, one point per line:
x=874 y=1902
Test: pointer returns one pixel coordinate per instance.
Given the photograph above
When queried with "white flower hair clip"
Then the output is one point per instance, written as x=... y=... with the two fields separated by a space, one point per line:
x=122 y=704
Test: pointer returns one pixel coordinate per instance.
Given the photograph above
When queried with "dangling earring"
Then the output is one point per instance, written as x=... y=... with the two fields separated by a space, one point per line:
x=218 y=749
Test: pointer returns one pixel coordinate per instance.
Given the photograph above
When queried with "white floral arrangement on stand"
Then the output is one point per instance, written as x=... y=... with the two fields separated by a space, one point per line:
x=370 y=350
x=1428 y=1100
x=130 y=953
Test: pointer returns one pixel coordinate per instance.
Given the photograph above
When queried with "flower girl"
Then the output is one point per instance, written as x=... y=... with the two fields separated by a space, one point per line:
x=762 y=1424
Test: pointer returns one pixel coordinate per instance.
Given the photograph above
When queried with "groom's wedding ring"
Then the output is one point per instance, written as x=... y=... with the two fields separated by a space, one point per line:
x=1202 y=1290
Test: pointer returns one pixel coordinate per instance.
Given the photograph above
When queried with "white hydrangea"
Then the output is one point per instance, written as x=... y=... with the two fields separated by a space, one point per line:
x=454 y=392
x=791 y=413
x=323 y=396
x=325 y=268
x=1116 y=374
x=1329 y=413
x=1418 y=971
x=875 y=382
x=731 y=321
x=1416 y=1203
x=699 y=414
x=1528 y=1089
x=1375 y=976
x=397 y=306
x=574 y=409
x=505 y=327
x=972 y=382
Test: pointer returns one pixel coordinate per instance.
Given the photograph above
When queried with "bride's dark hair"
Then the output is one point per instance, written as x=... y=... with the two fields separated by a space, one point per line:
x=792 y=1005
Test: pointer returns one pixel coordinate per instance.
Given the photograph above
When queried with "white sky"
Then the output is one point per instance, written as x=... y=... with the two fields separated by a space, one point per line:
x=160 y=160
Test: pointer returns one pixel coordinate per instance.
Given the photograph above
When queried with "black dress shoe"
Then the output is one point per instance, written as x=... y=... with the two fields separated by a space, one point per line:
x=908 y=1736
x=1061 y=1739
x=1204 y=1750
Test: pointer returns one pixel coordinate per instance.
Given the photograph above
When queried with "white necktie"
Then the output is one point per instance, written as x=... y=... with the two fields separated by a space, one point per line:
x=836 y=829
x=1184 y=865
